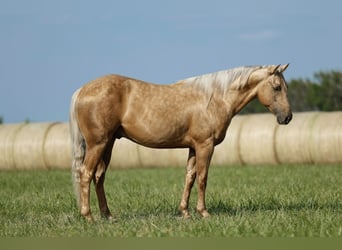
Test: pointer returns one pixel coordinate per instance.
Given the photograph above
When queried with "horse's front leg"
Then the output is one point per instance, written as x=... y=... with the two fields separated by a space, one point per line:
x=190 y=177
x=204 y=153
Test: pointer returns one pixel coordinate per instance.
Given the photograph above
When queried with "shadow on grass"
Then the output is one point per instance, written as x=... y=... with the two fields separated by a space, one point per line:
x=220 y=207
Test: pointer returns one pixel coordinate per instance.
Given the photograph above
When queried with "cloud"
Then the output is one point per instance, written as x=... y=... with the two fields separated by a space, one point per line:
x=259 y=35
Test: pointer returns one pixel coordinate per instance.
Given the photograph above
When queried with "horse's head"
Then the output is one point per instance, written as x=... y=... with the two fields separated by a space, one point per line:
x=272 y=92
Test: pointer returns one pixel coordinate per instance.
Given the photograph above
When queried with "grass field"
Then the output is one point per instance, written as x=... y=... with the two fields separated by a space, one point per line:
x=283 y=201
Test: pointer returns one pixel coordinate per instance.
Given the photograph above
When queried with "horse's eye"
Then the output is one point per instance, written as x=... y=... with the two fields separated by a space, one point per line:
x=277 y=88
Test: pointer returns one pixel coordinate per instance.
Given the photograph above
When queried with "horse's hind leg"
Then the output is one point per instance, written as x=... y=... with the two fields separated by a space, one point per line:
x=99 y=179
x=91 y=161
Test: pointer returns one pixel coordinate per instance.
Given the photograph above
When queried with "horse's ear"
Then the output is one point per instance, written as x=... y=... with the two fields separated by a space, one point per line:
x=273 y=69
x=282 y=68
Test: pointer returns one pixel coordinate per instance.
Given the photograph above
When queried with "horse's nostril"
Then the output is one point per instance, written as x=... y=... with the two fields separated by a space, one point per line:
x=284 y=120
x=288 y=119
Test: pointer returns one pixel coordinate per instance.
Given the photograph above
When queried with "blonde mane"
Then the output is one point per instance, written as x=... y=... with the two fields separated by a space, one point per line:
x=222 y=81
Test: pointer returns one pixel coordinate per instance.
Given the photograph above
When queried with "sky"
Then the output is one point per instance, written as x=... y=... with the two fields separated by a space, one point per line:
x=49 y=48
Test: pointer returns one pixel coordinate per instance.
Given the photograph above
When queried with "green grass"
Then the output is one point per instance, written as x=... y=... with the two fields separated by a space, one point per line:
x=248 y=201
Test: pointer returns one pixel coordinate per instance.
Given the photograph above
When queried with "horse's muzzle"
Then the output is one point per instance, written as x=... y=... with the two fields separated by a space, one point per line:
x=284 y=120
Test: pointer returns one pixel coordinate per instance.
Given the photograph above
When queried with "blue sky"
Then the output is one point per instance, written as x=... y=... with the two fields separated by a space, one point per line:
x=50 y=48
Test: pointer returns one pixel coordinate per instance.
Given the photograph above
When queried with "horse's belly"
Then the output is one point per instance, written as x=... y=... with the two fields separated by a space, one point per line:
x=156 y=137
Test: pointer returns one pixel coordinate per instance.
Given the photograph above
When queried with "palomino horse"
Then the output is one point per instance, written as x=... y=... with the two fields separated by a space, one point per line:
x=193 y=113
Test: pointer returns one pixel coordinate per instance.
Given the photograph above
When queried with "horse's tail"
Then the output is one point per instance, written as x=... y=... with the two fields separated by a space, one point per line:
x=78 y=146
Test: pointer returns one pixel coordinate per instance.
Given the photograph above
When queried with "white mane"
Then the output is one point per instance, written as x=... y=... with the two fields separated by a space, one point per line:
x=235 y=78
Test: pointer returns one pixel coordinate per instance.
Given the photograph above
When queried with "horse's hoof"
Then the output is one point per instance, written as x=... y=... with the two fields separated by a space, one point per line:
x=112 y=219
x=89 y=218
x=107 y=216
x=204 y=213
x=185 y=215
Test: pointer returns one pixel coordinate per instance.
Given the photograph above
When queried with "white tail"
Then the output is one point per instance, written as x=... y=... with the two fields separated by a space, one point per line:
x=78 y=146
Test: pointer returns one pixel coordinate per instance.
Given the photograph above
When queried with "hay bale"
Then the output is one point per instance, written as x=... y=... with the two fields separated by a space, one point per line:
x=127 y=154
x=292 y=142
x=57 y=146
x=151 y=157
x=28 y=146
x=8 y=134
x=326 y=138
x=311 y=137
x=124 y=154
x=228 y=152
x=257 y=139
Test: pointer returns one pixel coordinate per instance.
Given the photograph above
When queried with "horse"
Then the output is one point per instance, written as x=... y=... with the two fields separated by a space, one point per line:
x=193 y=113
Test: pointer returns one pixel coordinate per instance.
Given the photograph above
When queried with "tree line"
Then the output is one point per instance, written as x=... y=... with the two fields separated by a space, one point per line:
x=322 y=93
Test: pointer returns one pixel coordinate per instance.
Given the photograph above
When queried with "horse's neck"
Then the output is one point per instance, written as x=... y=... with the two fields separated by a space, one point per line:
x=237 y=99
x=229 y=86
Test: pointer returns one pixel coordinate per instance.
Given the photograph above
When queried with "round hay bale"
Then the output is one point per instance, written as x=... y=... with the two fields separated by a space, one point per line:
x=124 y=154
x=57 y=146
x=326 y=138
x=28 y=146
x=151 y=157
x=257 y=138
x=177 y=157
x=311 y=137
x=8 y=134
x=292 y=142
x=227 y=153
